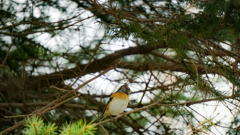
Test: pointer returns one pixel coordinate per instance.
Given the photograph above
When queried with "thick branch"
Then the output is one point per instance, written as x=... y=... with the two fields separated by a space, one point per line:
x=20 y=105
x=96 y=66
x=165 y=66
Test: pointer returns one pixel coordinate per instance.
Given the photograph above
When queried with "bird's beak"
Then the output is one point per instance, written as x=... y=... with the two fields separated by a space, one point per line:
x=129 y=91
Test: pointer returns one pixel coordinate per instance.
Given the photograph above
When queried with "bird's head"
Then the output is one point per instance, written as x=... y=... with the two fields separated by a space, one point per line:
x=124 y=89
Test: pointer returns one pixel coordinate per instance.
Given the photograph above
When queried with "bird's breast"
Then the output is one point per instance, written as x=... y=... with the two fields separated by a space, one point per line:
x=118 y=105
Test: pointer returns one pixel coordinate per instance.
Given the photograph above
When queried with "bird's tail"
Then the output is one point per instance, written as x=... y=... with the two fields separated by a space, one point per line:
x=100 y=118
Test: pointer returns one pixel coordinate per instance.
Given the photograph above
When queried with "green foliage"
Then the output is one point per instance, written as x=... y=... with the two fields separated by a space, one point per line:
x=216 y=7
x=78 y=128
x=140 y=121
x=234 y=128
x=36 y=126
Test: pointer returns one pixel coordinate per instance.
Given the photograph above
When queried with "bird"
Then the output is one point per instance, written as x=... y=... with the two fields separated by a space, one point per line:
x=117 y=103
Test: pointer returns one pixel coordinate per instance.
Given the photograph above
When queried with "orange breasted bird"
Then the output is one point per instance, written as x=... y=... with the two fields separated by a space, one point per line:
x=117 y=103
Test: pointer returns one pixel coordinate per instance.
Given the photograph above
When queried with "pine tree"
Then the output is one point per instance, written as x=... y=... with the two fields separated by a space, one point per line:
x=61 y=60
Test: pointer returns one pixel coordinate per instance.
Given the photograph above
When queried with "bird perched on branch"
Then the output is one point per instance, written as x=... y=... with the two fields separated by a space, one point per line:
x=117 y=103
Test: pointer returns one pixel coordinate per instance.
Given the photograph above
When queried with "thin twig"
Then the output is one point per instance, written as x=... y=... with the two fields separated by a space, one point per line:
x=136 y=110
x=103 y=129
x=54 y=87
x=197 y=82
x=7 y=55
x=85 y=68
x=8 y=49
x=195 y=128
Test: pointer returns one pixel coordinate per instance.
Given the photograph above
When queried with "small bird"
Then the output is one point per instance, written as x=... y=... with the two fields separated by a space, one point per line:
x=117 y=103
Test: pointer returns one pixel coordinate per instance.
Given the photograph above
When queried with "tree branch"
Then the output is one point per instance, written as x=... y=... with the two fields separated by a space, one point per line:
x=33 y=82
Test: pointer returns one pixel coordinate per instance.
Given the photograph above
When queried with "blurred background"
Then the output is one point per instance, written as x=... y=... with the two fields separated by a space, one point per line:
x=184 y=50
